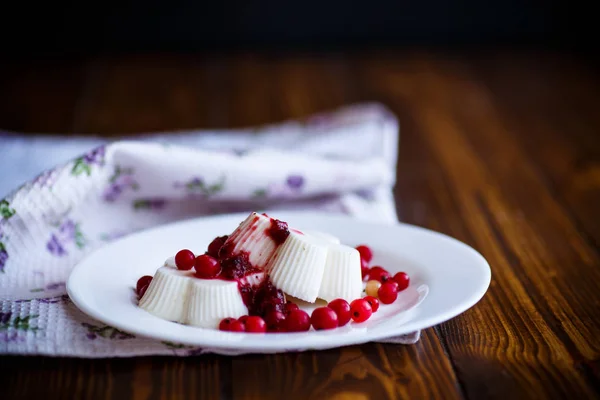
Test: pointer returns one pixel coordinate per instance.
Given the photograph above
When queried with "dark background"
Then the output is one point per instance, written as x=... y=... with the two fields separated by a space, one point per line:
x=186 y=25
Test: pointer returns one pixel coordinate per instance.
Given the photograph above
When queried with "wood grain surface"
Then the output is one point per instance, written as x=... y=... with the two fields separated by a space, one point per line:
x=498 y=149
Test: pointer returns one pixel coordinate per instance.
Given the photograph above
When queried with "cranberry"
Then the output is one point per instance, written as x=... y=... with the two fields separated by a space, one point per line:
x=364 y=268
x=289 y=307
x=274 y=320
x=365 y=252
x=342 y=309
x=143 y=281
x=184 y=259
x=142 y=290
x=237 y=326
x=215 y=245
x=243 y=319
x=379 y=274
x=388 y=293
x=297 y=321
x=206 y=266
x=361 y=310
x=255 y=324
x=225 y=324
x=403 y=280
x=278 y=231
x=373 y=302
x=324 y=318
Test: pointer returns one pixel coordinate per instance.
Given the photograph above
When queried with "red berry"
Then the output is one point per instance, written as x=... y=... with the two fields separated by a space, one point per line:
x=373 y=302
x=379 y=274
x=361 y=310
x=255 y=324
x=388 y=292
x=392 y=282
x=207 y=267
x=365 y=252
x=142 y=290
x=297 y=321
x=342 y=309
x=364 y=268
x=215 y=246
x=243 y=319
x=225 y=324
x=237 y=326
x=274 y=321
x=289 y=307
x=324 y=318
x=184 y=259
x=143 y=281
x=403 y=280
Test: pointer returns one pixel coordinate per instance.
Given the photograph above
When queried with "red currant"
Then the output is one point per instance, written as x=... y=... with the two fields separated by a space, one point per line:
x=143 y=281
x=388 y=293
x=142 y=290
x=342 y=309
x=207 y=267
x=215 y=246
x=289 y=307
x=274 y=321
x=373 y=302
x=379 y=274
x=237 y=326
x=324 y=318
x=243 y=319
x=403 y=280
x=184 y=259
x=297 y=321
x=365 y=252
x=225 y=324
x=364 y=268
x=361 y=310
x=255 y=324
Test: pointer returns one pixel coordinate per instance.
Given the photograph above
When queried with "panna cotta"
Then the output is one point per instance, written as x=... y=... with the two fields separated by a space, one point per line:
x=167 y=294
x=297 y=266
x=211 y=300
x=342 y=276
x=250 y=272
x=258 y=236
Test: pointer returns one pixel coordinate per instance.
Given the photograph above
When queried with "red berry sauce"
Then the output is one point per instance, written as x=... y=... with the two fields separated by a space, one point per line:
x=278 y=231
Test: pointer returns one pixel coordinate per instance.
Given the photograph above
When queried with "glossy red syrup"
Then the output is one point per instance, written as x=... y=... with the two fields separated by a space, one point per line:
x=278 y=231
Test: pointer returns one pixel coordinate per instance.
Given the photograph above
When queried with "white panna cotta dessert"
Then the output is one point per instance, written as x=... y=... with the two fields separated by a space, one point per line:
x=342 y=278
x=297 y=266
x=251 y=236
x=255 y=267
x=211 y=300
x=167 y=294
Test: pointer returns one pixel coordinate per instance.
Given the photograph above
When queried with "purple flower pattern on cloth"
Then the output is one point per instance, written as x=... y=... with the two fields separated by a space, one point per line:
x=7 y=322
x=68 y=232
x=6 y=212
x=197 y=186
x=83 y=164
x=295 y=181
x=3 y=256
x=106 y=331
x=292 y=186
x=149 y=204
x=121 y=180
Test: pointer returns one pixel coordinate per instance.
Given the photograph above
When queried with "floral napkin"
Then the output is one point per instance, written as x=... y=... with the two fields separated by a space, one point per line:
x=341 y=162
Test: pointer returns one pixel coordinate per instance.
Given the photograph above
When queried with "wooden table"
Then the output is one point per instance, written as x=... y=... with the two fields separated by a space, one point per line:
x=500 y=150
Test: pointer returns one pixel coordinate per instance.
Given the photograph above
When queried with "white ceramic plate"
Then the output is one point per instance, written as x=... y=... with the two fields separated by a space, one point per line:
x=447 y=278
